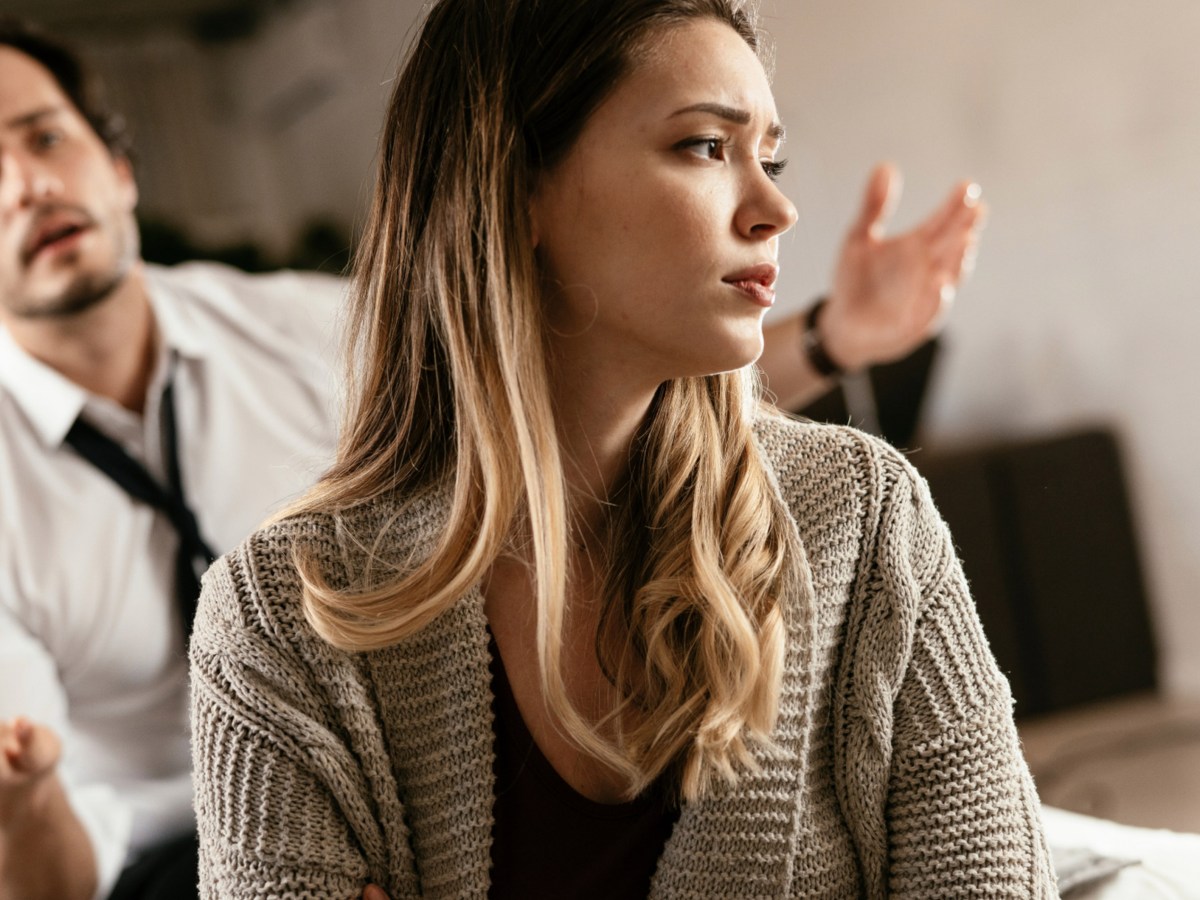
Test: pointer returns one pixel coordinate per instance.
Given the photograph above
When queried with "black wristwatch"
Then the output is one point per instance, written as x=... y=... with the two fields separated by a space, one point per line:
x=814 y=348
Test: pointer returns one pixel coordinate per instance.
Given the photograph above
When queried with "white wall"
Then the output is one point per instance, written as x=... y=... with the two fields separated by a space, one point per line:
x=1080 y=119
x=249 y=139
x=1082 y=123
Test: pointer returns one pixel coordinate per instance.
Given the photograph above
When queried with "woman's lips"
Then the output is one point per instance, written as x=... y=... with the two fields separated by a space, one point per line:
x=757 y=283
x=756 y=291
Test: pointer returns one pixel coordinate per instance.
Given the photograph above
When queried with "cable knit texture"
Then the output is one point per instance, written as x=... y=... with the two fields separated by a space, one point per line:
x=896 y=771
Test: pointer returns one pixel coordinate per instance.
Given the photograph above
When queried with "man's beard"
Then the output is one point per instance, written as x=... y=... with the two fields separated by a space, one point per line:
x=80 y=296
x=88 y=289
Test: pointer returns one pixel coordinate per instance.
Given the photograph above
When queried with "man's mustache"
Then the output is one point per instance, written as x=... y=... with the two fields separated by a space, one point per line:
x=50 y=223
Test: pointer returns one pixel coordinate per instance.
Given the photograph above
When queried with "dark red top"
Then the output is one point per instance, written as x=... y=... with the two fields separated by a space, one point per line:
x=551 y=841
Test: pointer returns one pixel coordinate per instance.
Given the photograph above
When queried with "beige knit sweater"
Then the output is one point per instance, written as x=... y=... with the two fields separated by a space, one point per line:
x=897 y=773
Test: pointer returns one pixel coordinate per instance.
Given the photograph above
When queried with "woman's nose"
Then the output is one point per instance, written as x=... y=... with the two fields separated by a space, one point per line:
x=766 y=211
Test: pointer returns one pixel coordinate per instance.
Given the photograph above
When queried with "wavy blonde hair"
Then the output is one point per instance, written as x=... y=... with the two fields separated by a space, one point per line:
x=450 y=387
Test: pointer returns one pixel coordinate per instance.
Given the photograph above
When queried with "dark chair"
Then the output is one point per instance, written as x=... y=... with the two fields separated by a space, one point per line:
x=1048 y=544
x=1047 y=541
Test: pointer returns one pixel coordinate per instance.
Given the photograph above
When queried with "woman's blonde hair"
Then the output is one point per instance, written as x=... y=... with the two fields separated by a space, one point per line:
x=450 y=388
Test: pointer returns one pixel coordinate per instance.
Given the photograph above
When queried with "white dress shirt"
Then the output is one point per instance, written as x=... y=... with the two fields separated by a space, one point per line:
x=90 y=638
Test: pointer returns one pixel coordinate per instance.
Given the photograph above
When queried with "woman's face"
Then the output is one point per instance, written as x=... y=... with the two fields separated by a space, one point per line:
x=658 y=232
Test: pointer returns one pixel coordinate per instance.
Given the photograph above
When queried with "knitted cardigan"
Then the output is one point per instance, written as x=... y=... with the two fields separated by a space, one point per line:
x=896 y=769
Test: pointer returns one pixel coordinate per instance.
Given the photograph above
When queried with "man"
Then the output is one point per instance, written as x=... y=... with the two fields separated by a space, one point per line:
x=150 y=418
x=92 y=641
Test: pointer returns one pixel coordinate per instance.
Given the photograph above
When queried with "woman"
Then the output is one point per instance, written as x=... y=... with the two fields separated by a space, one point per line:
x=572 y=615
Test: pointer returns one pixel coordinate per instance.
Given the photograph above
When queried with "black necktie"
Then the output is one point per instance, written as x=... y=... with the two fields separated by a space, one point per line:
x=110 y=458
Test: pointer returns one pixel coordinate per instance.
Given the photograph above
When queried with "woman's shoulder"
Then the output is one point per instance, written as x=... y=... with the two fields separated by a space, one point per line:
x=810 y=457
x=849 y=489
x=254 y=592
x=257 y=588
x=849 y=493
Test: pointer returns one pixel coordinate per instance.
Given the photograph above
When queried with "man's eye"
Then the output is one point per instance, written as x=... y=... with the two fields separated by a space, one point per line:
x=44 y=140
x=705 y=147
x=774 y=167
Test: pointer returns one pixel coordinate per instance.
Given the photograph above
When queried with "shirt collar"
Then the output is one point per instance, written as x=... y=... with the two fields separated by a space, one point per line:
x=175 y=331
x=51 y=402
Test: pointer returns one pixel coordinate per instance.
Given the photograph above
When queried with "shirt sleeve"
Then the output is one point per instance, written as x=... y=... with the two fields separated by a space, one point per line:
x=314 y=305
x=962 y=814
x=29 y=686
x=309 y=309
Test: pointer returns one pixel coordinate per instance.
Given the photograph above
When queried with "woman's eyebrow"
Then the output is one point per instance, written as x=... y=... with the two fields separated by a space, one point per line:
x=731 y=114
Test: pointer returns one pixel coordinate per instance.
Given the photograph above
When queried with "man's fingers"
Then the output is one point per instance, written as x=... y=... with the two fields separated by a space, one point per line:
x=374 y=892
x=28 y=748
x=23 y=729
x=11 y=751
x=879 y=201
x=946 y=294
x=11 y=745
x=966 y=260
x=957 y=231
x=937 y=300
x=42 y=749
x=955 y=250
x=959 y=211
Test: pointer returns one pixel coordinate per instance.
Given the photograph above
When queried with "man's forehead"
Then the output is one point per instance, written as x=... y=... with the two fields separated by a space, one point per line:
x=27 y=90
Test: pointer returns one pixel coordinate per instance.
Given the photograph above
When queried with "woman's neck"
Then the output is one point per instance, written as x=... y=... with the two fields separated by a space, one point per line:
x=597 y=420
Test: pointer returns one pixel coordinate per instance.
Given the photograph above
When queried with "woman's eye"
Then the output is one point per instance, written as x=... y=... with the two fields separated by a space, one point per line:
x=706 y=147
x=774 y=167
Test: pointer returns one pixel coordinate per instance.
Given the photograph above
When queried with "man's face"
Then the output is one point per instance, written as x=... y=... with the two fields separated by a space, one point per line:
x=67 y=231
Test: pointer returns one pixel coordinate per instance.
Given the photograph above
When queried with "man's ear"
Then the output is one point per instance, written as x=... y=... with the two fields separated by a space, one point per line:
x=124 y=170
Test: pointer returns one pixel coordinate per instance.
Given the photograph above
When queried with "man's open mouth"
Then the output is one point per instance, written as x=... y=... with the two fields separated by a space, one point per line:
x=53 y=235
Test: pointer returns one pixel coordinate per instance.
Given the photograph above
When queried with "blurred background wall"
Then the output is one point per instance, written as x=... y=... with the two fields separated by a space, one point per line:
x=256 y=123
x=1082 y=123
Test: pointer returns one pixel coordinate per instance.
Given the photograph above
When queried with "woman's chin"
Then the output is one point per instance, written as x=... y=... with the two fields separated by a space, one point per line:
x=737 y=355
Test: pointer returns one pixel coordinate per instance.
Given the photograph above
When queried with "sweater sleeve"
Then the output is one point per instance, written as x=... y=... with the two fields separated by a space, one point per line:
x=280 y=804
x=962 y=814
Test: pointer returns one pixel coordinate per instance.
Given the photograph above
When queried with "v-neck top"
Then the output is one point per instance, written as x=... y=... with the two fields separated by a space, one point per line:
x=551 y=841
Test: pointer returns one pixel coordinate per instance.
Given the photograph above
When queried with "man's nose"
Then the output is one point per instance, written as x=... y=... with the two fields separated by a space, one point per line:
x=10 y=180
x=23 y=181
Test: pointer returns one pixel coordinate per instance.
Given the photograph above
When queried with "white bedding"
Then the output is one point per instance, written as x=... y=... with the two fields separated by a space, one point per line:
x=1168 y=864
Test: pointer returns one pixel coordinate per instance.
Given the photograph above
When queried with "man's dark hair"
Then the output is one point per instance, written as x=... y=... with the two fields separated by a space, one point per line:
x=79 y=83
